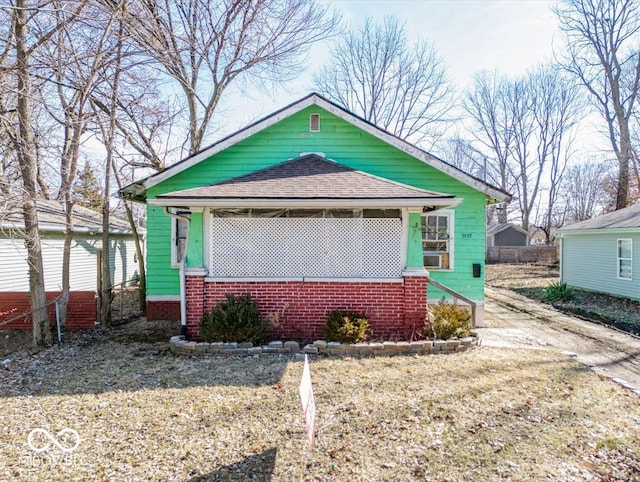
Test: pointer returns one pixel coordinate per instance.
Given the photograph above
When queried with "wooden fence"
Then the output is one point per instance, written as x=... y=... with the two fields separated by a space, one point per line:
x=522 y=254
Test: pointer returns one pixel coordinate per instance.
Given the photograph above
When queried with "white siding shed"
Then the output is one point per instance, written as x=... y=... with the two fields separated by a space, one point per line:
x=87 y=241
x=603 y=254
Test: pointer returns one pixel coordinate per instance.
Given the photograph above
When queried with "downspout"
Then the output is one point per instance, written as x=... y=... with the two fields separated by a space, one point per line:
x=183 y=294
x=560 y=255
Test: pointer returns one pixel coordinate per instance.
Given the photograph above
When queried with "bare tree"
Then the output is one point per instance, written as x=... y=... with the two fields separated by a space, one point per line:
x=526 y=168
x=22 y=18
x=112 y=73
x=582 y=190
x=603 y=53
x=556 y=109
x=135 y=126
x=523 y=126
x=205 y=46
x=378 y=75
x=72 y=60
x=487 y=105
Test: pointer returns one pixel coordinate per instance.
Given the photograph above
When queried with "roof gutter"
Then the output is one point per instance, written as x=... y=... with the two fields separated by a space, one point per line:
x=61 y=229
x=304 y=203
x=628 y=230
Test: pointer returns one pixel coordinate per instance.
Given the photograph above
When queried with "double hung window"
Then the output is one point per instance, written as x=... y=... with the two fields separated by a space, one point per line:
x=437 y=236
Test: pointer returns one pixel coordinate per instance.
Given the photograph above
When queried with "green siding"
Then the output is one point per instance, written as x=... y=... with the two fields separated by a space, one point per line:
x=589 y=261
x=347 y=145
x=195 y=251
x=414 y=242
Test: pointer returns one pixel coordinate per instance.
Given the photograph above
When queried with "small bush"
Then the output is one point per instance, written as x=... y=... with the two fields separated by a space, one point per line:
x=558 y=292
x=236 y=319
x=447 y=321
x=347 y=326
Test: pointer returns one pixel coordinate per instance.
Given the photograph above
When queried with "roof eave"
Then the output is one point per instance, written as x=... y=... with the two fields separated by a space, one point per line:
x=61 y=229
x=508 y=226
x=135 y=192
x=245 y=203
x=612 y=230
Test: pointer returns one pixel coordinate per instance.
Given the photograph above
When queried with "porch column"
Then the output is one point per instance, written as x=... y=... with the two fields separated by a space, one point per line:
x=414 y=240
x=194 y=301
x=415 y=277
x=194 y=273
x=195 y=243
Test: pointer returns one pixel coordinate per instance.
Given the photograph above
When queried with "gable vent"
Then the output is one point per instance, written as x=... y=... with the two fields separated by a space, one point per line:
x=314 y=123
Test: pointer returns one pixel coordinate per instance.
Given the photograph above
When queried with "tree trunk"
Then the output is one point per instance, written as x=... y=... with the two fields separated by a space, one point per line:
x=25 y=149
x=139 y=253
x=66 y=259
x=624 y=155
x=106 y=295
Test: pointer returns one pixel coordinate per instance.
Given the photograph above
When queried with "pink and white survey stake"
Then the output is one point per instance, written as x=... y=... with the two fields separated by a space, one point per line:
x=308 y=402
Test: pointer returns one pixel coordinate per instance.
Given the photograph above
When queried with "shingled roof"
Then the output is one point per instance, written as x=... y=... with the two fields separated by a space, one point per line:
x=627 y=218
x=51 y=218
x=499 y=227
x=309 y=178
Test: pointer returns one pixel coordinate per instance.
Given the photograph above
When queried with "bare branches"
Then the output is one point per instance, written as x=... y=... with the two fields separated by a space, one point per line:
x=205 y=46
x=524 y=128
x=400 y=87
x=583 y=190
x=487 y=105
x=603 y=54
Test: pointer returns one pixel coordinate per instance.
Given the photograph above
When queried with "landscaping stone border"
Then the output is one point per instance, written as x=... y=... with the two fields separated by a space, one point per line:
x=179 y=345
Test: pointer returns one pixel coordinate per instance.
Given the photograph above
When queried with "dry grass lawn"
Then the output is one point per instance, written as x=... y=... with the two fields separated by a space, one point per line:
x=144 y=414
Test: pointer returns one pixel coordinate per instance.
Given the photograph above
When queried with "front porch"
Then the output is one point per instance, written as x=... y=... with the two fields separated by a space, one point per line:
x=303 y=238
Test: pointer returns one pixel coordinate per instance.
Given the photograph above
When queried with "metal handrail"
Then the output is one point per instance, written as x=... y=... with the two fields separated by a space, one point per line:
x=55 y=301
x=30 y=312
x=457 y=295
x=27 y=313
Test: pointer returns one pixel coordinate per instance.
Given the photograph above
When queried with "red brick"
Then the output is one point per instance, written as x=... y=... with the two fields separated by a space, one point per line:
x=393 y=308
x=81 y=309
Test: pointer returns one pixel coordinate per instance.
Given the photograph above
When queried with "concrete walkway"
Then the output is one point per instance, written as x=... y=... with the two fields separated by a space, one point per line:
x=513 y=321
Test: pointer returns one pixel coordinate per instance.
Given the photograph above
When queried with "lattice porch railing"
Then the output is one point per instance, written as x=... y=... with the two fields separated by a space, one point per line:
x=306 y=247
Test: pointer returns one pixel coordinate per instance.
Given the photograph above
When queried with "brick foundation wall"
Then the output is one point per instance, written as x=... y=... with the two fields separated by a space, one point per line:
x=163 y=310
x=297 y=310
x=81 y=310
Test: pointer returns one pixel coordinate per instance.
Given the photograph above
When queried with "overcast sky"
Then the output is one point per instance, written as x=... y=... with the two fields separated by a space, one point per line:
x=509 y=35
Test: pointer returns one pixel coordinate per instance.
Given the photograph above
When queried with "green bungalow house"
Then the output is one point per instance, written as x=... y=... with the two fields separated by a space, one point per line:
x=313 y=209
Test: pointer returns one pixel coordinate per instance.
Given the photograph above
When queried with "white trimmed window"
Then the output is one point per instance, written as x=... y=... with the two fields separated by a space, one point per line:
x=437 y=239
x=625 y=258
x=179 y=229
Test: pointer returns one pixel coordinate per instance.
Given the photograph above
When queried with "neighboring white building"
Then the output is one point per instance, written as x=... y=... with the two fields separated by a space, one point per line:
x=603 y=254
x=85 y=249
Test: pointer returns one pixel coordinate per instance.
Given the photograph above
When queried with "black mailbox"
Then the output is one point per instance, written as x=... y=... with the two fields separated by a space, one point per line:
x=476 y=270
